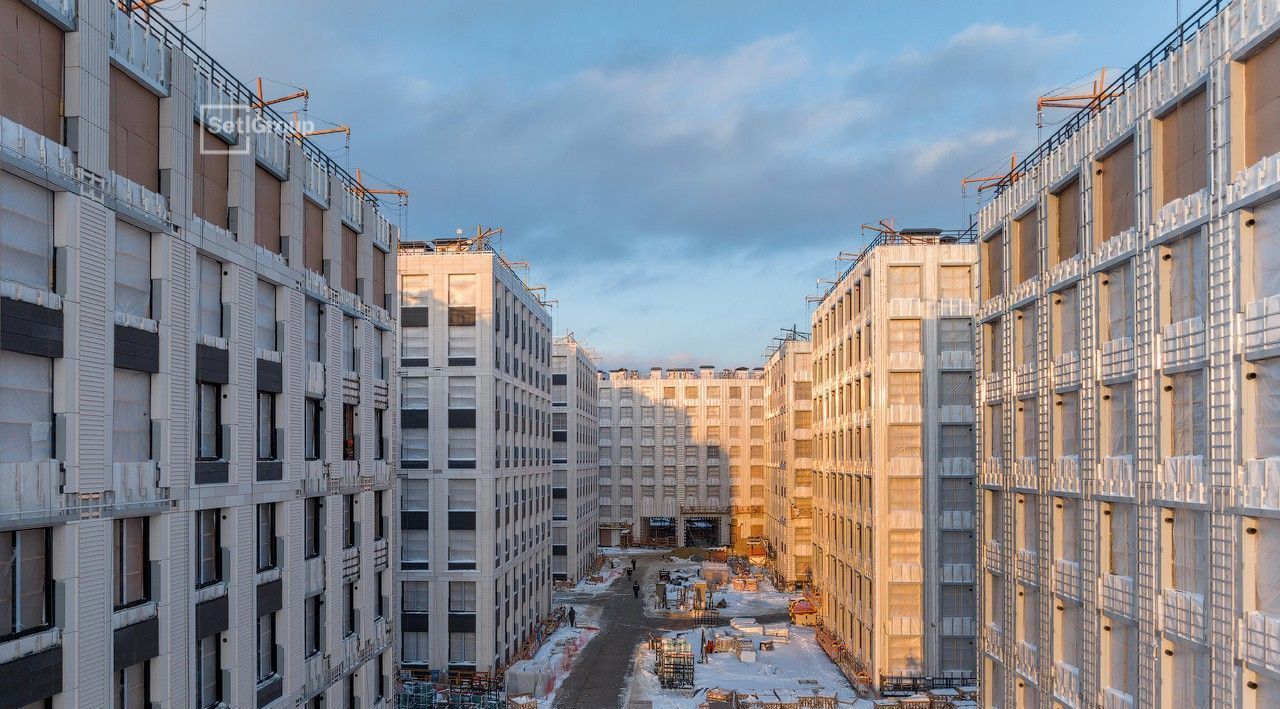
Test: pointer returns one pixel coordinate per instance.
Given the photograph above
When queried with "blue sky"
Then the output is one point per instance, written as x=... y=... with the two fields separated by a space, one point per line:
x=679 y=173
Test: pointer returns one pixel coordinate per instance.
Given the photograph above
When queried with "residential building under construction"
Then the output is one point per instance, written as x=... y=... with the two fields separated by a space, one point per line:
x=475 y=479
x=682 y=456
x=893 y=457
x=1130 y=462
x=574 y=459
x=196 y=446
x=788 y=376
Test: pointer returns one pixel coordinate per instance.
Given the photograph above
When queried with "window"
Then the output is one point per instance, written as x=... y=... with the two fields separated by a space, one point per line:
x=462 y=597
x=1028 y=429
x=131 y=690
x=130 y=560
x=314 y=325
x=904 y=388
x=415 y=648
x=348 y=431
x=1261 y=104
x=1115 y=191
x=462 y=447
x=208 y=547
x=378 y=599
x=955 y=335
x=1184 y=163
x=462 y=648
x=1026 y=335
x=313 y=236
x=313 y=514
x=1186 y=266
x=955 y=389
x=349 y=532
x=349 y=607
x=26 y=407
x=993 y=345
x=1065 y=226
x=379 y=434
x=131 y=418
x=1027 y=241
x=904 y=336
x=265 y=317
x=314 y=435
x=313 y=621
x=267 y=537
x=266 y=223
x=1117 y=295
x=904 y=281
x=266 y=646
x=992 y=266
x=26 y=589
x=462 y=495
x=1067 y=427
x=209 y=670
x=348 y=343
x=1188 y=415
x=1121 y=426
x=209 y=314
x=210 y=167
x=1265 y=248
x=462 y=392
x=267 y=426
x=1066 y=320
x=133 y=270
x=26 y=233
x=957 y=441
x=379 y=358
x=1119 y=529
x=462 y=549
x=350 y=258
x=209 y=421
x=955 y=282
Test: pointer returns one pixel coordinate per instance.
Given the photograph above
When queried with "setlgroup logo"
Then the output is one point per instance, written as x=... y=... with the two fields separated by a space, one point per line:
x=228 y=125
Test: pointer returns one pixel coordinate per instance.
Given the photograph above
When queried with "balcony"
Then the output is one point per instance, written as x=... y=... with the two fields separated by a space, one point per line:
x=1260 y=640
x=1260 y=484
x=993 y=555
x=955 y=359
x=1025 y=475
x=352 y=209
x=143 y=202
x=1027 y=658
x=1115 y=476
x=1028 y=562
x=1183 y=479
x=1262 y=327
x=36 y=153
x=137 y=485
x=905 y=626
x=1116 y=358
x=906 y=573
x=1180 y=214
x=138 y=49
x=1067 y=369
x=1066 y=684
x=1024 y=291
x=1066 y=578
x=958 y=467
x=1116 y=248
x=1026 y=379
x=1064 y=476
x=905 y=468
x=315 y=180
x=958 y=627
x=956 y=520
x=993 y=640
x=957 y=573
x=31 y=490
x=1183 y=614
x=1111 y=698
x=1116 y=593
x=993 y=472
x=904 y=413
x=905 y=361
x=1182 y=343
x=1065 y=270
x=956 y=413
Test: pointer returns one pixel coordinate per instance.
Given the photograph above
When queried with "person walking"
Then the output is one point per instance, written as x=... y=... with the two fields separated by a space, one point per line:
x=573 y=617
x=635 y=589
x=633 y=564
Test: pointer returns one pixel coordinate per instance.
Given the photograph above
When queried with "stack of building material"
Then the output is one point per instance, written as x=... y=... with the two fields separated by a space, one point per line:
x=675 y=664
x=746 y=650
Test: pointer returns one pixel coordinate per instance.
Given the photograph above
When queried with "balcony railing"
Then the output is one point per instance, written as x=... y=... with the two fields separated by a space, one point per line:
x=1260 y=484
x=1115 y=476
x=1184 y=614
x=30 y=489
x=1183 y=479
x=136 y=47
x=1117 y=593
x=18 y=142
x=1260 y=640
x=1067 y=577
x=1066 y=683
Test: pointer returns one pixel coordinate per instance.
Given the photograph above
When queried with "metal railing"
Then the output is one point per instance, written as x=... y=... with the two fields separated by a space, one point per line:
x=1188 y=29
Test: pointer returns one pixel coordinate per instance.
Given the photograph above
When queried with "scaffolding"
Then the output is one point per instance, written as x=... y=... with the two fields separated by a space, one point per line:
x=674 y=665
x=450 y=690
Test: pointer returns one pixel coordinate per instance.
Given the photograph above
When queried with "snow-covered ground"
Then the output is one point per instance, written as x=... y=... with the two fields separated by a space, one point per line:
x=748 y=603
x=587 y=587
x=798 y=666
x=549 y=667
